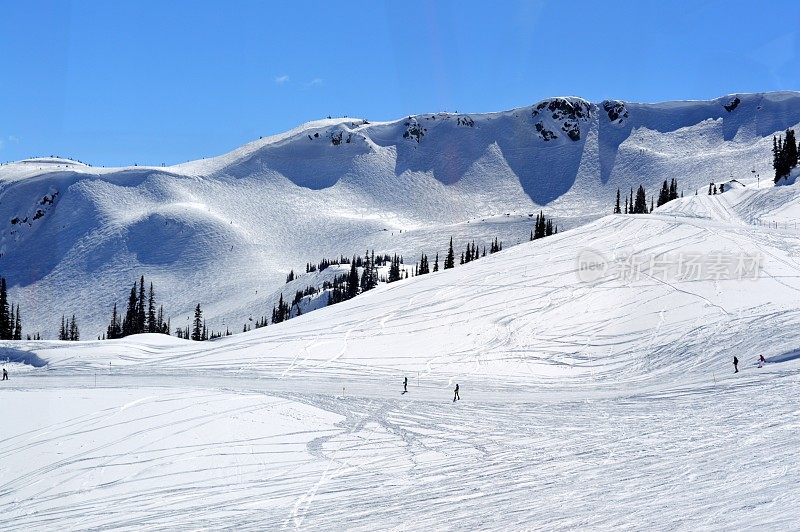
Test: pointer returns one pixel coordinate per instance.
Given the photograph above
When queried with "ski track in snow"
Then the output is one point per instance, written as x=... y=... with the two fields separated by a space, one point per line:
x=158 y=455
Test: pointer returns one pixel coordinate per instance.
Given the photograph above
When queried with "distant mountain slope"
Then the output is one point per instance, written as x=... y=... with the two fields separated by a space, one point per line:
x=225 y=231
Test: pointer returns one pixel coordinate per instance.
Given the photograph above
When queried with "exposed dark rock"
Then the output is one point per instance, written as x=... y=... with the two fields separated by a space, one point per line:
x=616 y=111
x=544 y=133
x=733 y=104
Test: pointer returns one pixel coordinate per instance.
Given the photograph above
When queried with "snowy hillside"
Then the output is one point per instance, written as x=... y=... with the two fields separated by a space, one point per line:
x=225 y=231
x=596 y=384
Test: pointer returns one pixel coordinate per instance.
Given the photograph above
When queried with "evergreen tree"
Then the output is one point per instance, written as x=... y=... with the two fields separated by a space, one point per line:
x=141 y=317
x=616 y=207
x=352 y=280
x=640 y=207
x=626 y=204
x=790 y=147
x=394 y=270
x=436 y=262
x=664 y=195
x=372 y=279
x=74 y=334
x=62 y=331
x=6 y=325
x=160 y=320
x=152 y=325
x=423 y=265
x=449 y=261
x=364 y=282
x=630 y=203
x=114 y=329
x=197 y=330
x=129 y=322
x=18 y=326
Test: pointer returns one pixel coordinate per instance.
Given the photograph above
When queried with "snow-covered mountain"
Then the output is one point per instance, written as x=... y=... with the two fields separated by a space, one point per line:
x=591 y=397
x=225 y=231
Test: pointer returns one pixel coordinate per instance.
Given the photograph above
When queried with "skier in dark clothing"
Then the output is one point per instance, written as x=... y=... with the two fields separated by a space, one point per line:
x=5 y=374
x=761 y=361
x=735 y=364
x=455 y=394
x=405 y=384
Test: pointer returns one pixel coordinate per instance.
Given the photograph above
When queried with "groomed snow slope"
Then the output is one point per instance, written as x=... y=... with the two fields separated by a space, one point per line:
x=225 y=231
x=588 y=400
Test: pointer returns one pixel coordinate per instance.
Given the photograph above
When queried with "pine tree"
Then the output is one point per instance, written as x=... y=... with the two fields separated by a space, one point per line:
x=62 y=331
x=197 y=330
x=74 y=334
x=5 y=319
x=141 y=317
x=423 y=265
x=394 y=269
x=790 y=146
x=129 y=322
x=630 y=203
x=436 y=262
x=616 y=207
x=372 y=278
x=114 y=329
x=366 y=273
x=160 y=320
x=352 y=280
x=664 y=195
x=18 y=326
x=151 y=311
x=640 y=207
x=626 y=204
x=449 y=261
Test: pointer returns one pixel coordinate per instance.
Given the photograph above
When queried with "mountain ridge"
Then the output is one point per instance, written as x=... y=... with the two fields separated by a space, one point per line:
x=225 y=231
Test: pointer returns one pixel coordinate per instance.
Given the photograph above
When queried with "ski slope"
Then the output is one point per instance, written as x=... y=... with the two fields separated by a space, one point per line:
x=589 y=398
x=225 y=231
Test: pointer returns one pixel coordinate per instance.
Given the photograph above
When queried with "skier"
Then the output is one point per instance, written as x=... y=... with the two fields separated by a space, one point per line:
x=735 y=364
x=455 y=394
x=761 y=361
x=405 y=384
x=5 y=374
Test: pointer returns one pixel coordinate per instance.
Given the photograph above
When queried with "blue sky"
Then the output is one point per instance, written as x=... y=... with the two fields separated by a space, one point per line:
x=117 y=83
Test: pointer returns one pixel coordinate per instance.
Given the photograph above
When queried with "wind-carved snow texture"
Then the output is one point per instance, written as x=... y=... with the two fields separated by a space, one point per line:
x=225 y=231
x=590 y=398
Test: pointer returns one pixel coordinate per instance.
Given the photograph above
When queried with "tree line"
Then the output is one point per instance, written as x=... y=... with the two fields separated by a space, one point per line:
x=638 y=204
x=784 y=154
x=140 y=316
x=143 y=314
x=10 y=318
